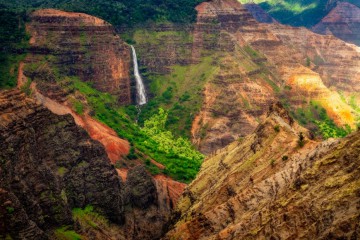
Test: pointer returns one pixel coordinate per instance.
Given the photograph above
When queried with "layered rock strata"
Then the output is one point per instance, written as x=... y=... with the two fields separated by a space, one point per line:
x=343 y=22
x=274 y=184
x=76 y=44
x=262 y=62
x=48 y=166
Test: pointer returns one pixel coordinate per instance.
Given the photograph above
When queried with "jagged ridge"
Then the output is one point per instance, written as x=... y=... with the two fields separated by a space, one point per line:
x=268 y=186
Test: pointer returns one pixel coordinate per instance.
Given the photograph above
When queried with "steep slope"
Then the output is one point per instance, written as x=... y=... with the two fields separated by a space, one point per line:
x=51 y=169
x=217 y=77
x=118 y=12
x=263 y=62
x=274 y=184
x=75 y=44
x=299 y=13
x=343 y=22
x=258 y=13
x=88 y=89
x=39 y=188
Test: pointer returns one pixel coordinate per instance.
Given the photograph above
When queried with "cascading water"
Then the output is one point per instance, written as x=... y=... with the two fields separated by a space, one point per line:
x=140 y=88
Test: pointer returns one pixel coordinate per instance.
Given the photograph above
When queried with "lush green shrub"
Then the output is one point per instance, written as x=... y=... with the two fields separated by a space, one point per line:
x=13 y=44
x=181 y=160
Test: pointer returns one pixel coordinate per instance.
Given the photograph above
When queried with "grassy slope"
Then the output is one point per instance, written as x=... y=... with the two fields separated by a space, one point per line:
x=182 y=162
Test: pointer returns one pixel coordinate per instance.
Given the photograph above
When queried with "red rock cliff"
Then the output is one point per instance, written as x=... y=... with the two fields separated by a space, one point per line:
x=84 y=46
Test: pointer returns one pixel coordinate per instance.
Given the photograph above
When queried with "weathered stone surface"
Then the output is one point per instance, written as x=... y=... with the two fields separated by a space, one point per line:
x=267 y=187
x=141 y=190
x=343 y=22
x=84 y=46
x=49 y=165
x=257 y=62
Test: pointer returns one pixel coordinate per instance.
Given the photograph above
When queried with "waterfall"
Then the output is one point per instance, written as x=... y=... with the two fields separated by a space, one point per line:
x=140 y=88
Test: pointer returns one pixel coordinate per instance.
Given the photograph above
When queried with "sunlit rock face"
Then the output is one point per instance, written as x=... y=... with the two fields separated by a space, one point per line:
x=343 y=22
x=84 y=46
x=309 y=86
x=274 y=184
x=260 y=63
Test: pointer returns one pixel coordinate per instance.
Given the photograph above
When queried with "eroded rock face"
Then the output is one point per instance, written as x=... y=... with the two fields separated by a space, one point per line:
x=48 y=166
x=343 y=22
x=76 y=44
x=258 y=62
x=267 y=187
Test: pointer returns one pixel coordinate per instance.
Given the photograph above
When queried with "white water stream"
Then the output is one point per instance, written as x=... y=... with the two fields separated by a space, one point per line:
x=140 y=88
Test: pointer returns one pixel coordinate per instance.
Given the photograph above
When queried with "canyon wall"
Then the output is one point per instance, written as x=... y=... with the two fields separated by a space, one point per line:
x=252 y=65
x=66 y=48
x=343 y=22
x=76 y=44
x=48 y=166
x=258 y=64
x=274 y=184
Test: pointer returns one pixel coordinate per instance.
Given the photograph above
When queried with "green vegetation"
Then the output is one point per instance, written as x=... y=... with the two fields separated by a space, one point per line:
x=298 y=13
x=10 y=210
x=118 y=12
x=180 y=147
x=64 y=233
x=277 y=128
x=78 y=107
x=315 y=117
x=284 y=158
x=26 y=87
x=180 y=93
x=272 y=163
x=13 y=44
x=301 y=141
x=61 y=171
x=182 y=162
x=88 y=216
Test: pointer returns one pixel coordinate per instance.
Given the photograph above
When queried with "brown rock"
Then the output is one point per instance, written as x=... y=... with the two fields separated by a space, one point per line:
x=49 y=165
x=80 y=45
x=275 y=191
x=343 y=22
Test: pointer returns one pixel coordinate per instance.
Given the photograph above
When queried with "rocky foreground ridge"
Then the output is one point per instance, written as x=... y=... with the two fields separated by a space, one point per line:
x=49 y=166
x=275 y=184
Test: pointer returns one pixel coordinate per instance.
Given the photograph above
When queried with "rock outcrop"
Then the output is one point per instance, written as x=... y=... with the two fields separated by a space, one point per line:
x=76 y=44
x=274 y=184
x=260 y=63
x=343 y=22
x=252 y=65
x=149 y=202
x=259 y=14
x=48 y=166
